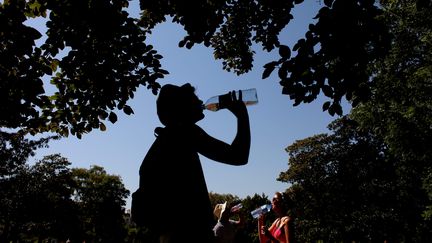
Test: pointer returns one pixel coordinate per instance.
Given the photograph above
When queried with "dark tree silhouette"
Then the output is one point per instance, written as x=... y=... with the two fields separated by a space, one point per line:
x=348 y=186
x=96 y=55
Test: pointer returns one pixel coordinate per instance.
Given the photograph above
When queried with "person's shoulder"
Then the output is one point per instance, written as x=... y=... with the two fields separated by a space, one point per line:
x=196 y=127
x=286 y=219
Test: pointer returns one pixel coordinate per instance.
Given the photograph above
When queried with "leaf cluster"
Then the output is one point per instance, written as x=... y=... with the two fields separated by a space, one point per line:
x=229 y=27
x=95 y=56
x=334 y=56
x=399 y=110
x=347 y=186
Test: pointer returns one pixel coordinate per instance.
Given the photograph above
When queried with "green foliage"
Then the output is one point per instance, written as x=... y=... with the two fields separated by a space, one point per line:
x=94 y=54
x=400 y=108
x=100 y=197
x=216 y=198
x=15 y=182
x=229 y=27
x=15 y=150
x=48 y=200
x=427 y=185
x=334 y=56
x=348 y=186
x=370 y=180
x=48 y=205
x=21 y=67
x=37 y=201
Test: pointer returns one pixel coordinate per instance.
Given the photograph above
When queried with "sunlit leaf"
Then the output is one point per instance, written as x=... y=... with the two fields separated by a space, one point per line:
x=102 y=127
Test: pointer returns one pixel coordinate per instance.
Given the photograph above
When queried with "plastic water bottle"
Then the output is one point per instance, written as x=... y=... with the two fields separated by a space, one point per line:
x=215 y=103
x=236 y=208
x=261 y=210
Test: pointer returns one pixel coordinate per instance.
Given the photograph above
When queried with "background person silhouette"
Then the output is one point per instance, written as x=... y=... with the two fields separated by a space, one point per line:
x=172 y=199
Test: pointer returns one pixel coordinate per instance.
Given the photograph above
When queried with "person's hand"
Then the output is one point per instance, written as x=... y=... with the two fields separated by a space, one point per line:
x=236 y=106
x=261 y=219
x=264 y=231
x=261 y=222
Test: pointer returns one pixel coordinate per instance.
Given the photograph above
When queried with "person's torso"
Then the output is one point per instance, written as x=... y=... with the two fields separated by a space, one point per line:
x=172 y=169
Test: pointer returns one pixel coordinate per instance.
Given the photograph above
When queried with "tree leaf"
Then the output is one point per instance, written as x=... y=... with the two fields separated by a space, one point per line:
x=284 y=52
x=328 y=91
x=102 y=127
x=328 y=3
x=326 y=105
x=112 y=117
x=268 y=69
x=128 y=110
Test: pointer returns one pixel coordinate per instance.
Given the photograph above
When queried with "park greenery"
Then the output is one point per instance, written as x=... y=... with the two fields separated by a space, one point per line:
x=368 y=180
x=50 y=200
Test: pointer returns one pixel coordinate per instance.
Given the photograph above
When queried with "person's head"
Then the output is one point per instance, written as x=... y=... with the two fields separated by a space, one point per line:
x=278 y=203
x=178 y=105
x=222 y=211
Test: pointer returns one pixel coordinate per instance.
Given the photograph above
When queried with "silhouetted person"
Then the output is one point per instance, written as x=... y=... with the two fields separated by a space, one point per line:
x=174 y=201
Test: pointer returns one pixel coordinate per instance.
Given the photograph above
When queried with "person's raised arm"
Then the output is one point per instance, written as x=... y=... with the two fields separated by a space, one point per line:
x=242 y=140
x=236 y=153
x=261 y=230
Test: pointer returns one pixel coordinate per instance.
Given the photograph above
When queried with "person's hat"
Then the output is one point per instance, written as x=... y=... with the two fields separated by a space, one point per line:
x=219 y=209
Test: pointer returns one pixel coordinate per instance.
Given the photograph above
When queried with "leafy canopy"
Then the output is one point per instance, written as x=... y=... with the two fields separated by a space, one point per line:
x=96 y=55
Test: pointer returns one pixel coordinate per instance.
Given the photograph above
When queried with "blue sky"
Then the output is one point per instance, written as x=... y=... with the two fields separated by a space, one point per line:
x=275 y=123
